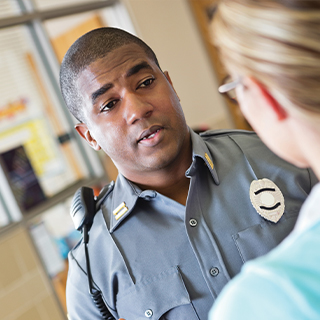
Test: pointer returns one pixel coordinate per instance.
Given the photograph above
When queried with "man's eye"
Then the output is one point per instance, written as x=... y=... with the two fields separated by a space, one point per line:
x=146 y=83
x=108 y=106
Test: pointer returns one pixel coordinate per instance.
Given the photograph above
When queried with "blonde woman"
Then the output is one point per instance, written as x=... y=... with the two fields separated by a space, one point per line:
x=271 y=49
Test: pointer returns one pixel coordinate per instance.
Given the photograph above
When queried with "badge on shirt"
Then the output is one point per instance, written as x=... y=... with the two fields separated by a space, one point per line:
x=267 y=199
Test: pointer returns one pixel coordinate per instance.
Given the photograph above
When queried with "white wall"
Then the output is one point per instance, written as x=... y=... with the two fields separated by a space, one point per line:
x=169 y=28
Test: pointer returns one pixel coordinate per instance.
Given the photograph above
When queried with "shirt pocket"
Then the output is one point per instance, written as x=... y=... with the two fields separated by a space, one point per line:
x=259 y=239
x=163 y=296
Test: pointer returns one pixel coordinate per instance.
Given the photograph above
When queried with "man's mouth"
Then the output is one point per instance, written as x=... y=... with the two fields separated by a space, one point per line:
x=150 y=133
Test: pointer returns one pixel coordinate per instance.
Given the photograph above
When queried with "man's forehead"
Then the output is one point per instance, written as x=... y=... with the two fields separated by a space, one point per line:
x=120 y=60
x=120 y=56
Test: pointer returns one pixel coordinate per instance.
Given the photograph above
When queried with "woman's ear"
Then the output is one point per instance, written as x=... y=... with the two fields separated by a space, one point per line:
x=84 y=133
x=263 y=92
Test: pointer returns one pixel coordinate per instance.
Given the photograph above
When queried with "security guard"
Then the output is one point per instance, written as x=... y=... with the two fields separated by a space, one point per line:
x=186 y=210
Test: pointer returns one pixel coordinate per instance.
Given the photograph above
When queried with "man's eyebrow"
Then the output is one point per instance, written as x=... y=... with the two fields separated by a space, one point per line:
x=95 y=95
x=135 y=69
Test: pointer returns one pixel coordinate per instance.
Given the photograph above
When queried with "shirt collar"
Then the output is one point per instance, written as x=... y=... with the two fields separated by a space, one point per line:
x=123 y=201
x=200 y=150
x=125 y=195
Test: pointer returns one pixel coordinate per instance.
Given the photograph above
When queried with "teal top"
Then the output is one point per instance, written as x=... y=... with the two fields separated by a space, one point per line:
x=284 y=284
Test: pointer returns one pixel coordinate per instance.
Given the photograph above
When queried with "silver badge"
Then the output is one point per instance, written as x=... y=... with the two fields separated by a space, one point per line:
x=267 y=199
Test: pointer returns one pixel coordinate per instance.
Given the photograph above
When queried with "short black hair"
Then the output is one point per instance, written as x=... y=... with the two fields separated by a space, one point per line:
x=90 y=47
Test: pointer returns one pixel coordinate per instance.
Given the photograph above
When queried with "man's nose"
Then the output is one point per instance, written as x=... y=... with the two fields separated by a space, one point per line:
x=136 y=108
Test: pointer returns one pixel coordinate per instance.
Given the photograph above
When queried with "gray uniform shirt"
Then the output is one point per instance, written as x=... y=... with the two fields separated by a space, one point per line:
x=163 y=260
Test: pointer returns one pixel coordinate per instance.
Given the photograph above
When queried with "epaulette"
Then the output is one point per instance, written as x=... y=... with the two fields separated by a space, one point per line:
x=224 y=132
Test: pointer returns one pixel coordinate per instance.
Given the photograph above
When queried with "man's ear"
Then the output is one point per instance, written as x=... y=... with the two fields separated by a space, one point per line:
x=166 y=73
x=84 y=133
x=279 y=111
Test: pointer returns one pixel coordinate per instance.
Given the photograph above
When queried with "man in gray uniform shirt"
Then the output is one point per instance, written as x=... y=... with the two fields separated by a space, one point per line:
x=186 y=210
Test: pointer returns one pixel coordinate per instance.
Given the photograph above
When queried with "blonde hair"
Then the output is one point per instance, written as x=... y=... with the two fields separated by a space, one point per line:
x=278 y=43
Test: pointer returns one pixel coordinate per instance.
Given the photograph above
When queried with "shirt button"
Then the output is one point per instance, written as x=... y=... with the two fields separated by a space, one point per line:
x=214 y=271
x=193 y=222
x=148 y=313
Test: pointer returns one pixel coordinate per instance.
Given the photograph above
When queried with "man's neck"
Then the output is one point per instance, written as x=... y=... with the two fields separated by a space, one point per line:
x=178 y=192
x=174 y=189
x=170 y=180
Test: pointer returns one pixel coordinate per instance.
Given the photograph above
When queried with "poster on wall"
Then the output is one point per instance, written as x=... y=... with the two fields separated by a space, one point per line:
x=22 y=178
x=50 y=166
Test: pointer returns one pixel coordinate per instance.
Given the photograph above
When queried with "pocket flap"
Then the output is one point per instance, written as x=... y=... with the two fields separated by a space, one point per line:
x=260 y=239
x=153 y=296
